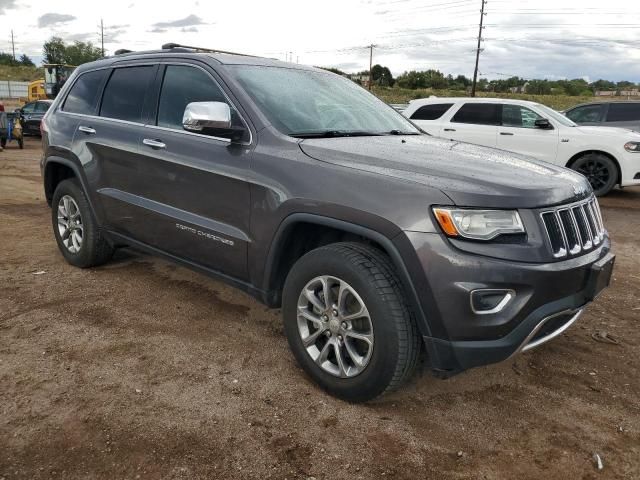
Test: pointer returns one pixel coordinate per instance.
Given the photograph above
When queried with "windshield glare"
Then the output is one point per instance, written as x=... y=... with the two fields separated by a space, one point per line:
x=557 y=116
x=305 y=101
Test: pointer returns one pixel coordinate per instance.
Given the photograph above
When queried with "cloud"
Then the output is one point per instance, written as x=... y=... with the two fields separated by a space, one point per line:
x=7 y=5
x=188 y=21
x=158 y=30
x=188 y=29
x=49 y=19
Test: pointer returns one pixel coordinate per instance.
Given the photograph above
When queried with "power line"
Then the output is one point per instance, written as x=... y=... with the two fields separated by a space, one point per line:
x=475 y=71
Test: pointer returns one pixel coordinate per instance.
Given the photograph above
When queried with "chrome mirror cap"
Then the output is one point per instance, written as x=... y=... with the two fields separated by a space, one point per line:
x=199 y=116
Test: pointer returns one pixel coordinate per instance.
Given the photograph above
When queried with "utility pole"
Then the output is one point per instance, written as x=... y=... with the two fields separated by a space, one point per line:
x=102 y=35
x=478 y=50
x=13 y=46
x=370 y=65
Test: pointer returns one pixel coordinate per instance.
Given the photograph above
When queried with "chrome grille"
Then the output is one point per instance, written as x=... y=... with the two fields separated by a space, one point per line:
x=574 y=229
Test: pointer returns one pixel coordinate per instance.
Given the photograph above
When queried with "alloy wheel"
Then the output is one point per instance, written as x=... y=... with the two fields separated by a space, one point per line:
x=596 y=172
x=335 y=326
x=70 y=225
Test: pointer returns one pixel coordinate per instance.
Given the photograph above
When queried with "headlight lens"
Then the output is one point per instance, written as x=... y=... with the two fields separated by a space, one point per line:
x=632 y=147
x=478 y=224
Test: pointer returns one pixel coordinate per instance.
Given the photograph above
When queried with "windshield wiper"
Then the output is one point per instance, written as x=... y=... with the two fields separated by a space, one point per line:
x=400 y=132
x=335 y=134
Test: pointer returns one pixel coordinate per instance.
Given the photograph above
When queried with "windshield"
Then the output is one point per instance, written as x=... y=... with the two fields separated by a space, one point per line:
x=309 y=103
x=557 y=116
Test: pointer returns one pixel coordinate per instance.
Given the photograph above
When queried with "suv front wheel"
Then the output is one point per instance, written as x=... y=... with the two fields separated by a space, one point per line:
x=347 y=322
x=77 y=234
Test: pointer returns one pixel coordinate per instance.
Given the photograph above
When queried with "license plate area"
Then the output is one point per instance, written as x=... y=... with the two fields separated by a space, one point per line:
x=600 y=276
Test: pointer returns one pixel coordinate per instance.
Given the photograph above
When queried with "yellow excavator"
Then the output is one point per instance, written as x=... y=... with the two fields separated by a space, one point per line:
x=55 y=75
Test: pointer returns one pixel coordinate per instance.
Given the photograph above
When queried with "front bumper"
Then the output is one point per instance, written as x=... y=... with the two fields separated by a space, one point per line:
x=548 y=298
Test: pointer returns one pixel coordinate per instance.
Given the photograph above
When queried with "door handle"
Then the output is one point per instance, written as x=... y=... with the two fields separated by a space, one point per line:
x=449 y=129
x=89 y=130
x=506 y=133
x=154 y=143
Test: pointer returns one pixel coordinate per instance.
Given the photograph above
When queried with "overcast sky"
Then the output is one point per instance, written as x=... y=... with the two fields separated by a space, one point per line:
x=541 y=39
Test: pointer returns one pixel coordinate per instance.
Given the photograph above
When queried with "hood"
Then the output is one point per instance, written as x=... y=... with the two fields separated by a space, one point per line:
x=468 y=174
x=627 y=133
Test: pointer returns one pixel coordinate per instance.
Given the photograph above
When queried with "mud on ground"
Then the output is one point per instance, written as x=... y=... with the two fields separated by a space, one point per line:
x=143 y=369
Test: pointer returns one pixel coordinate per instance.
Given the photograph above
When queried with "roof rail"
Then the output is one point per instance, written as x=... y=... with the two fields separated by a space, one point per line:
x=122 y=51
x=169 y=46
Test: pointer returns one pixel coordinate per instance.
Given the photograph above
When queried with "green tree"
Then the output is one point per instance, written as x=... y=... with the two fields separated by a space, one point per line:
x=26 y=61
x=7 y=59
x=82 y=52
x=382 y=76
x=54 y=51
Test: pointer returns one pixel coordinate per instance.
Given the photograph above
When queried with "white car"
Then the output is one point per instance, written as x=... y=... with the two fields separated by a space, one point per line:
x=606 y=156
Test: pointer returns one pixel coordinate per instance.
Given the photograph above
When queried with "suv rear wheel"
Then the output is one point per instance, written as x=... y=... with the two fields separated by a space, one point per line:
x=600 y=170
x=347 y=322
x=76 y=232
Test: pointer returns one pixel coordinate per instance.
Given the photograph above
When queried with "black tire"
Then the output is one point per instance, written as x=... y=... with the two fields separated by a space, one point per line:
x=396 y=344
x=94 y=249
x=600 y=170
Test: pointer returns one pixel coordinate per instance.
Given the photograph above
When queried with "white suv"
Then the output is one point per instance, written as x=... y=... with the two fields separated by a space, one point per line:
x=606 y=156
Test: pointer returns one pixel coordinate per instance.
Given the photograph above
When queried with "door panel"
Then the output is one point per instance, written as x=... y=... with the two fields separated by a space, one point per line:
x=478 y=134
x=474 y=123
x=195 y=198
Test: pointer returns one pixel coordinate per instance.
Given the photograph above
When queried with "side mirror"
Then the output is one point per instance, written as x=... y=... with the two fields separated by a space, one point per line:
x=543 y=123
x=203 y=116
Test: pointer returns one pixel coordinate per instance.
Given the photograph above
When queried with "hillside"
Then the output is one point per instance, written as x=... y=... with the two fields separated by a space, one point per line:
x=400 y=95
x=20 y=74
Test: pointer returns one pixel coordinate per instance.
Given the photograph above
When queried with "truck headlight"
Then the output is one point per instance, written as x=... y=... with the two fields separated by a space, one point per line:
x=478 y=224
x=632 y=147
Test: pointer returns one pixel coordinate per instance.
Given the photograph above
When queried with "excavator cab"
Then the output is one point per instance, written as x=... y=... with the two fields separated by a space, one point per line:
x=55 y=76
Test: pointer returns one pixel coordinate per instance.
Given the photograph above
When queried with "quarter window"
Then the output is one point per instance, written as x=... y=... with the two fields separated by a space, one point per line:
x=183 y=85
x=586 y=114
x=623 y=112
x=431 y=112
x=477 y=113
x=124 y=94
x=83 y=96
x=517 y=116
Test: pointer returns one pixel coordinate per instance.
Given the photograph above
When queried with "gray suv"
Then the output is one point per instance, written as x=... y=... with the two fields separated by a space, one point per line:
x=607 y=114
x=381 y=244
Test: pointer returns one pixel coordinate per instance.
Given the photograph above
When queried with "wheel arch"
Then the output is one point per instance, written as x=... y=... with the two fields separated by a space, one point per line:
x=575 y=157
x=281 y=257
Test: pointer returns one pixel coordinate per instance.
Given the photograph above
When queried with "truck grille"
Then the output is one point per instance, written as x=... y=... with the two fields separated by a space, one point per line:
x=574 y=229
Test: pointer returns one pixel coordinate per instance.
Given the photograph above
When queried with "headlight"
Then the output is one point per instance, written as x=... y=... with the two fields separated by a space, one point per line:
x=632 y=147
x=478 y=224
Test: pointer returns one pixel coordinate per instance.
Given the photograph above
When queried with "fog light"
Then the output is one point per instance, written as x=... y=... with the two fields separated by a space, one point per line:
x=487 y=301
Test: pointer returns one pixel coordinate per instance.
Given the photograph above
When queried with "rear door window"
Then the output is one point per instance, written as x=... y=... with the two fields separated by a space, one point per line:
x=431 y=112
x=586 y=114
x=478 y=114
x=83 y=96
x=623 y=112
x=124 y=95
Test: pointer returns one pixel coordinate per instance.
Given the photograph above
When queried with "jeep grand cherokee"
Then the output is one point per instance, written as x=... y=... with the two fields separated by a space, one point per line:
x=301 y=188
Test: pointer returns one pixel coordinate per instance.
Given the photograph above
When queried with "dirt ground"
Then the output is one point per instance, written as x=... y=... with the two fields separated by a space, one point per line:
x=143 y=369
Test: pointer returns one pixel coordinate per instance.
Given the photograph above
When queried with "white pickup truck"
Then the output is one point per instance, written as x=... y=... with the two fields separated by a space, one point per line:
x=606 y=156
